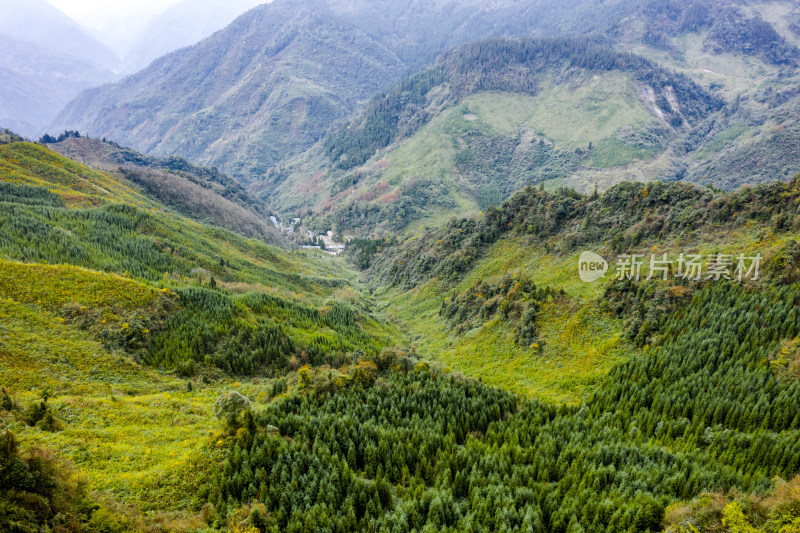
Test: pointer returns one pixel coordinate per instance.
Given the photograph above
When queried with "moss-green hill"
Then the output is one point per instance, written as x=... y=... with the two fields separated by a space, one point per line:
x=714 y=103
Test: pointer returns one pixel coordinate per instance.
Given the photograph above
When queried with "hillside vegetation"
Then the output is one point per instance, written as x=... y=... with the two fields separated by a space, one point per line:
x=267 y=395
x=666 y=425
x=746 y=53
x=714 y=102
x=569 y=297
x=488 y=119
x=578 y=336
x=271 y=84
x=701 y=405
x=120 y=323
x=200 y=193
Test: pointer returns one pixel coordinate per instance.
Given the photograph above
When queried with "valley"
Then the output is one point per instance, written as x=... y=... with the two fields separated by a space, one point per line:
x=319 y=271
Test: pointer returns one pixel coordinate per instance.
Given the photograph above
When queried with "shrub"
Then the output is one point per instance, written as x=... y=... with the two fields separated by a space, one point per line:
x=232 y=408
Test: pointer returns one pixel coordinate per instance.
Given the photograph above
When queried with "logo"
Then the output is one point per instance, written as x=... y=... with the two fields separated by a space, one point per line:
x=591 y=267
x=687 y=266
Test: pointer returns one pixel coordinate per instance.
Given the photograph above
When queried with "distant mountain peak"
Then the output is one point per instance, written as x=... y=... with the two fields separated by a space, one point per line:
x=38 y=22
x=182 y=25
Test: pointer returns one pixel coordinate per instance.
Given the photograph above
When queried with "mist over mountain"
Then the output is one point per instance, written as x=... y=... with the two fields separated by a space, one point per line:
x=418 y=31
x=181 y=25
x=37 y=82
x=38 y=22
x=266 y=87
x=47 y=58
x=281 y=74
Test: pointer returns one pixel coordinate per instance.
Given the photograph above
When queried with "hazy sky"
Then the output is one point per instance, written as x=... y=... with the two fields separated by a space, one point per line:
x=97 y=14
x=115 y=22
x=118 y=23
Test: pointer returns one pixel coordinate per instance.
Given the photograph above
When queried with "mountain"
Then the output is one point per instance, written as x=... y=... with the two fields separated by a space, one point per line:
x=762 y=30
x=748 y=54
x=730 y=49
x=38 y=22
x=203 y=194
x=271 y=84
x=434 y=146
x=37 y=82
x=569 y=298
x=179 y=26
x=47 y=60
x=419 y=31
x=486 y=120
x=265 y=87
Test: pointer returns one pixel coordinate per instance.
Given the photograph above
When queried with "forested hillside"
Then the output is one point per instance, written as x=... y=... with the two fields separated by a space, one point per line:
x=204 y=194
x=473 y=289
x=667 y=425
x=59 y=212
x=567 y=298
x=625 y=405
x=247 y=107
x=117 y=313
x=707 y=390
x=486 y=120
x=727 y=27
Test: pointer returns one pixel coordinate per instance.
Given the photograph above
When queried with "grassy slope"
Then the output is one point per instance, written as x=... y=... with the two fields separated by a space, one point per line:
x=591 y=108
x=202 y=194
x=135 y=433
x=581 y=342
x=183 y=244
x=749 y=136
x=78 y=186
x=735 y=73
x=569 y=113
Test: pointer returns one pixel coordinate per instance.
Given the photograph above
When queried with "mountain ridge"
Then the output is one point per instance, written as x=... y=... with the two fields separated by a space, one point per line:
x=47 y=60
x=357 y=34
x=296 y=107
x=449 y=139
x=181 y=25
x=199 y=193
x=38 y=22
